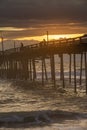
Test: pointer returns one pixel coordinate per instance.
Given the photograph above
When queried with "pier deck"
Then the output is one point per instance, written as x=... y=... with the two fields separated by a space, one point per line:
x=20 y=62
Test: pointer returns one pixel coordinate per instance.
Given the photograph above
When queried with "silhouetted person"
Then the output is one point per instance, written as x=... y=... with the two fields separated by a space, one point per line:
x=22 y=46
x=44 y=42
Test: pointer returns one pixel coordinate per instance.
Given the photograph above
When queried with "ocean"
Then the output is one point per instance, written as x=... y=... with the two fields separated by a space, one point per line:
x=29 y=105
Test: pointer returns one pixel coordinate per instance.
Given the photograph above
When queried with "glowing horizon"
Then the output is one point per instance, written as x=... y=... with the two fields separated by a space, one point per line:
x=50 y=37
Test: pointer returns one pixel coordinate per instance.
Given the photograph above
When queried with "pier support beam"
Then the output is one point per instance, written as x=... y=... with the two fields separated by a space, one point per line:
x=7 y=64
x=62 y=69
x=81 y=68
x=24 y=64
x=74 y=60
x=42 y=71
x=30 y=69
x=70 y=62
x=10 y=69
x=34 y=69
x=52 y=63
x=85 y=58
x=45 y=69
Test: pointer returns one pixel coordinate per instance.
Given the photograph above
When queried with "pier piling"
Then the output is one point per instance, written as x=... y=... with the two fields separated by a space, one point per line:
x=20 y=62
x=75 y=85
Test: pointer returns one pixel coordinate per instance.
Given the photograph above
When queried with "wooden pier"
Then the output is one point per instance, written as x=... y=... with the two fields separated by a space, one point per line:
x=20 y=63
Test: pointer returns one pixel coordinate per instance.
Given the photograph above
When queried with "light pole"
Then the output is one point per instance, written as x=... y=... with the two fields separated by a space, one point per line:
x=47 y=37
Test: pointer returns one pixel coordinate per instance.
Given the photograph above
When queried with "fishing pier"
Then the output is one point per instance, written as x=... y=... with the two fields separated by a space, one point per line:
x=20 y=63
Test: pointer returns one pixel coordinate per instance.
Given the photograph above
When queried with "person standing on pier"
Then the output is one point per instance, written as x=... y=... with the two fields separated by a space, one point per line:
x=22 y=46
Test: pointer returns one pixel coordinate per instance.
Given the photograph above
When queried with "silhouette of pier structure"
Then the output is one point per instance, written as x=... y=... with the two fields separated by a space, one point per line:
x=20 y=63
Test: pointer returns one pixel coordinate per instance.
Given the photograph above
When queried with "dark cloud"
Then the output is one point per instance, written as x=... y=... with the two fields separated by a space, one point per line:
x=43 y=9
x=35 y=13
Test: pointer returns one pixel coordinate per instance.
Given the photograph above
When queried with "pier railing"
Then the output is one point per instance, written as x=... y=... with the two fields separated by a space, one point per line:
x=20 y=62
x=53 y=43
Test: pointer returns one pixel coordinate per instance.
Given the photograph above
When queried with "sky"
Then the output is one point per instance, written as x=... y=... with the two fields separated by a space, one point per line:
x=30 y=19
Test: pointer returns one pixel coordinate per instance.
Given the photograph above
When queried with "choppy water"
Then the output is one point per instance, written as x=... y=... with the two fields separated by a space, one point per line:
x=24 y=96
x=14 y=98
x=66 y=66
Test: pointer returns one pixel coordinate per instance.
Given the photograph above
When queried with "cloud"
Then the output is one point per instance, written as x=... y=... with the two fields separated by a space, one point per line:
x=43 y=9
x=41 y=29
x=40 y=14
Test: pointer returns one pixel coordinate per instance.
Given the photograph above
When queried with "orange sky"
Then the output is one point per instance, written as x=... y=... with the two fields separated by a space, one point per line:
x=50 y=37
x=7 y=31
x=31 y=19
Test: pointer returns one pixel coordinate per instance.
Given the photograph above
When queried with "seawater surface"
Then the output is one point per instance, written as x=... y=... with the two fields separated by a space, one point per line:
x=20 y=100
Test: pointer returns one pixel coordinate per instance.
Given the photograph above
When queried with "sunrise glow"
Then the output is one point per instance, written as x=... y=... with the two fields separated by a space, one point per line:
x=50 y=37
